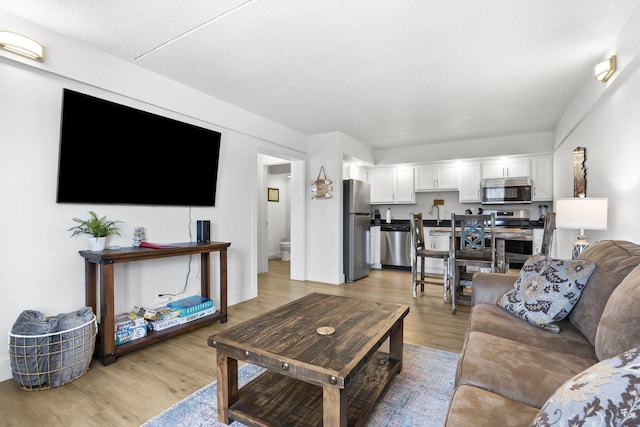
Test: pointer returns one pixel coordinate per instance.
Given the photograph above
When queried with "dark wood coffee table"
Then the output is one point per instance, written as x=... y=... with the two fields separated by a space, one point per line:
x=311 y=379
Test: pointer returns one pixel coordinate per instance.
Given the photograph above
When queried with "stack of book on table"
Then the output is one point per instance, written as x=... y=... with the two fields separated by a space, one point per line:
x=183 y=311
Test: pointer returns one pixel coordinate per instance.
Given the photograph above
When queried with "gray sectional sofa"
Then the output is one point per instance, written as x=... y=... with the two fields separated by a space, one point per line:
x=512 y=373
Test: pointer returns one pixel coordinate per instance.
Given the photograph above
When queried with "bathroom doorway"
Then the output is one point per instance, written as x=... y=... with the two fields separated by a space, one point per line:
x=274 y=201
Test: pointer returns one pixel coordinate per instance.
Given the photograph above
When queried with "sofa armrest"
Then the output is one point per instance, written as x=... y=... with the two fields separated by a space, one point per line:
x=488 y=287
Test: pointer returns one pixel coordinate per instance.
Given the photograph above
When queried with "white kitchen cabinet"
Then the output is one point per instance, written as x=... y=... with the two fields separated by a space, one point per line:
x=382 y=182
x=505 y=168
x=542 y=178
x=392 y=185
x=374 y=235
x=470 y=177
x=437 y=177
x=436 y=243
x=351 y=171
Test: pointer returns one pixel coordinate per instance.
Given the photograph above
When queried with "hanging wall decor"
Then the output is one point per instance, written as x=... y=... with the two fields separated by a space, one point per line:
x=273 y=194
x=322 y=187
x=579 y=173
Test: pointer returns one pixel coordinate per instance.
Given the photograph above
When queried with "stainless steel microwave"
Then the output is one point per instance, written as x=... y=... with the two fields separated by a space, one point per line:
x=502 y=191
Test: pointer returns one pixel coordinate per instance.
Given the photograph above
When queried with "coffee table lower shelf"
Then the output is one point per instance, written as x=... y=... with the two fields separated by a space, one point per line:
x=273 y=399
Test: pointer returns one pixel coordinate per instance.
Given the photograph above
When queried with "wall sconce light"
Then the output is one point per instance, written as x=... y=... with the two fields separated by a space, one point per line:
x=605 y=69
x=21 y=45
x=581 y=213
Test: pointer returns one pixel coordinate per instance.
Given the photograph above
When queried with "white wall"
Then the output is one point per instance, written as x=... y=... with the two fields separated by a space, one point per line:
x=41 y=268
x=603 y=118
x=468 y=149
x=324 y=226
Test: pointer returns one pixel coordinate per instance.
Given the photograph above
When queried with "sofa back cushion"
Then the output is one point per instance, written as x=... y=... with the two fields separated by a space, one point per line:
x=618 y=330
x=614 y=259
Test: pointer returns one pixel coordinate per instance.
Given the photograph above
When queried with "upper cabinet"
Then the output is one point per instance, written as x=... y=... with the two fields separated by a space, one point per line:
x=392 y=185
x=396 y=185
x=542 y=178
x=351 y=171
x=470 y=177
x=505 y=168
x=437 y=177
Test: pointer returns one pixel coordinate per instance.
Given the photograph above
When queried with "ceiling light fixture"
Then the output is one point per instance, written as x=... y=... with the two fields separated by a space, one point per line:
x=605 y=69
x=21 y=45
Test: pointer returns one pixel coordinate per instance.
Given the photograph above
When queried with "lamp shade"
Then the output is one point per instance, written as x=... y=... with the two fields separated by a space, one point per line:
x=582 y=213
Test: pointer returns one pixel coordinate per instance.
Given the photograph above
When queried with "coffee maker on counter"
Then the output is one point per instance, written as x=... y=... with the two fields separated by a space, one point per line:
x=544 y=210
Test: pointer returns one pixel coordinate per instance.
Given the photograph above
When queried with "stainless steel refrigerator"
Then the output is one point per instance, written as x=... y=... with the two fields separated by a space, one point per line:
x=357 y=222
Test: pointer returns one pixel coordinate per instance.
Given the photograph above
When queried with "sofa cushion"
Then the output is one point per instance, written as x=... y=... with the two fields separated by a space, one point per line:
x=488 y=287
x=515 y=370
x=494 y=320
x=472 y=406
x=546 y=290
x=614 y=259
x=604 y=394
x=618 y=330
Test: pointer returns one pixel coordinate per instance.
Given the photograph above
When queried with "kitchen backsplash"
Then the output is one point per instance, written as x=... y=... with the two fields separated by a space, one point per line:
x=424 y=202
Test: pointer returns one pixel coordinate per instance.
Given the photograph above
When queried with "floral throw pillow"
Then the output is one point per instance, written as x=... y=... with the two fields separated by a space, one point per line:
x=546 y=290
x=606 y=394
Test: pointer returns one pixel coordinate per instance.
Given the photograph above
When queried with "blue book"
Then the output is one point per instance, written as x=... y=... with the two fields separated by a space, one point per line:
x=191 y=305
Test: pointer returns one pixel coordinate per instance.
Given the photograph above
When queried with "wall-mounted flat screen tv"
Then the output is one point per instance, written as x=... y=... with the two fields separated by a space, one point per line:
x=115 y=154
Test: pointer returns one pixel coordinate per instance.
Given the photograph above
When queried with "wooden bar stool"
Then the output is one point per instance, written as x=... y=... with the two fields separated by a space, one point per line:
x=471 y=249
x=420 y=252
x=545 y=248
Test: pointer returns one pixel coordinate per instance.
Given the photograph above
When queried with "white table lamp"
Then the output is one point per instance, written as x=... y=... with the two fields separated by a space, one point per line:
x=581 y=213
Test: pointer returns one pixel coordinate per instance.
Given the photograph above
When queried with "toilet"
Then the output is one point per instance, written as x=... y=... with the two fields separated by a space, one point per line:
x=285 y=250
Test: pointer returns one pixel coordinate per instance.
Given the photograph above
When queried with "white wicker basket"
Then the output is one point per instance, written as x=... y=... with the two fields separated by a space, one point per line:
x=41 y=362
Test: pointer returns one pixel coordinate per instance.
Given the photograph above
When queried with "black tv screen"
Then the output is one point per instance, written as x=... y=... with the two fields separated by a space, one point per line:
x=115 y=154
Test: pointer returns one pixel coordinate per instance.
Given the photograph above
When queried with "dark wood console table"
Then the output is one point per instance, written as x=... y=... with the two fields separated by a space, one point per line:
x=106 y=350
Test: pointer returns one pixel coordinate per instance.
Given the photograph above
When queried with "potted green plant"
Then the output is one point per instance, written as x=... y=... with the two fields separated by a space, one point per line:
x=98 y=228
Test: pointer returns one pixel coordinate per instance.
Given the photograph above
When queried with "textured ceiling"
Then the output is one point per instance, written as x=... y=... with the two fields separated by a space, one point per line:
x=388 y=73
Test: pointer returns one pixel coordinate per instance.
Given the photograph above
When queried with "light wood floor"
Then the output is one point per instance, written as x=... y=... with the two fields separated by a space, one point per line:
x=142 y=384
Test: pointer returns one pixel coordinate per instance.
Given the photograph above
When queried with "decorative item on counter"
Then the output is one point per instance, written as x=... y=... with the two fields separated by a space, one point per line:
x=98 y=228
x=138 y=236
x=322 y=187
x=388 y=215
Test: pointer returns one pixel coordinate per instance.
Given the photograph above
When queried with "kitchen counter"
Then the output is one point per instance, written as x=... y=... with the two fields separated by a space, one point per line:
x=503 y=233
x=447 y=223
x=406 y=222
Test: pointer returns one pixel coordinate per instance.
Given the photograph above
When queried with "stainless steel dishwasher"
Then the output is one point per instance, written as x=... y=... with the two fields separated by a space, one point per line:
x=395 y=245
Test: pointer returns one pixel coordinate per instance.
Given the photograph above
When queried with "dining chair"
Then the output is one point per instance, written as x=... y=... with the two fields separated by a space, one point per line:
x=472 y=248
x=545 y=247
x=420 y=252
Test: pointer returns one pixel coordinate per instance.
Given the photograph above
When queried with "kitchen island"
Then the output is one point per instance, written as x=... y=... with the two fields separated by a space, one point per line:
x=458 y=291
x=502 y=234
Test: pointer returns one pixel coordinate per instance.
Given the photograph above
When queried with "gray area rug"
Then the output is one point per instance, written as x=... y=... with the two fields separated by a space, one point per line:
x=418 y=396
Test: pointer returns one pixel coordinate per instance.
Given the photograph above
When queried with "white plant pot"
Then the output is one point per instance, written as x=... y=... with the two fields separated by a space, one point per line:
x=97 y=243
